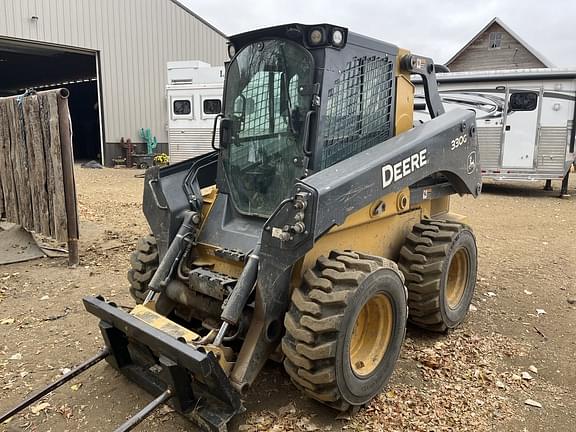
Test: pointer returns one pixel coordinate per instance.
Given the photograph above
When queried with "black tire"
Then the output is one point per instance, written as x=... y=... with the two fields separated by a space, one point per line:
x=321 y=322
x=428 y=262
x=143 y=262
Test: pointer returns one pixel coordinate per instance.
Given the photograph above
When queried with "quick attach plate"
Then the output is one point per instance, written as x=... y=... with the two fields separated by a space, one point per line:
x=156 y=360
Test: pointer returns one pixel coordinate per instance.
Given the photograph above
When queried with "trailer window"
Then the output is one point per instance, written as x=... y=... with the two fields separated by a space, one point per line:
x=212 y=106
x=523 y=101
x=182 y=107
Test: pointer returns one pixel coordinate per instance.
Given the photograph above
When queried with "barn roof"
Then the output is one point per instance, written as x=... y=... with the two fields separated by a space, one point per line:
x=512 y=33
x=199 y=18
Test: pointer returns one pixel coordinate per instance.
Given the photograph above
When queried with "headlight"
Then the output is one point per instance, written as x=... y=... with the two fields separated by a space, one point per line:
x=231 y=50
x=316 y=36
x=337 y=37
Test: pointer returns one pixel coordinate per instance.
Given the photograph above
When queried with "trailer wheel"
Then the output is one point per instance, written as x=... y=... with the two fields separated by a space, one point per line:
x=345 y=328
x=439 y=261
x=143 y=262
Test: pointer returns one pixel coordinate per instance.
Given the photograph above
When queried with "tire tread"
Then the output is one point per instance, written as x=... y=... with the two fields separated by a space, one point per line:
x=314 y=319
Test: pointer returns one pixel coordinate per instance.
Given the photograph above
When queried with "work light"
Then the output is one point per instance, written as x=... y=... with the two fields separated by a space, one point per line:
x=231 y=50
x=316 y=36
x=337 y=37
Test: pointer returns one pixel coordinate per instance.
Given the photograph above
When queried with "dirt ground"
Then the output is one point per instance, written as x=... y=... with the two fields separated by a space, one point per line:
x=522 y=325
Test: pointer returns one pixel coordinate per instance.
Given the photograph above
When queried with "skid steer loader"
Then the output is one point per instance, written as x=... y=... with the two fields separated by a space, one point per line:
x=319 y=226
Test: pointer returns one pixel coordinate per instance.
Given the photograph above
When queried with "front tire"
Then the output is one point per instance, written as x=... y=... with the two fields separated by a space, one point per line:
x=345 y=328
x=143 y=262
x=439 y=261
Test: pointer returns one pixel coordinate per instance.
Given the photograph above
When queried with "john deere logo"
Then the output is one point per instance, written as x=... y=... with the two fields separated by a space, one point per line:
x=393 y=173
x=471 y=162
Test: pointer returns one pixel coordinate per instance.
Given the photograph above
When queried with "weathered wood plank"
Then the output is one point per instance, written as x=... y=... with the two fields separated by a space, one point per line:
x=33 y=132
x=45 y=123
x=2 y=211
x=25 y=169
x=2 y=169
x=1 y=190
x=20 y=167
x=59 y=203
x=6 y=171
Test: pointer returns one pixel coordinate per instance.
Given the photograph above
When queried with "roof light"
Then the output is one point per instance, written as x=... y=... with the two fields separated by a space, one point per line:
x=337 y=37
x=316 y=36
x=231 y=50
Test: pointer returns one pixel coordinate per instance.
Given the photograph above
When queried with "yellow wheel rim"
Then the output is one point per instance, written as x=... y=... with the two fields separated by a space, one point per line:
x=457 y=278
x=371 y=335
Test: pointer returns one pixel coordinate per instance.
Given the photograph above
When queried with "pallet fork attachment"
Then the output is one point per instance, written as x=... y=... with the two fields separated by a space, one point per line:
x=169 y=369
x=53 y=386
x=157 y=361
x=92 y=361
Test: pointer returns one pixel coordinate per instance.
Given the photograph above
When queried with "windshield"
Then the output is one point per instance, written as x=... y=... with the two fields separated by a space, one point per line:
x=267 y=97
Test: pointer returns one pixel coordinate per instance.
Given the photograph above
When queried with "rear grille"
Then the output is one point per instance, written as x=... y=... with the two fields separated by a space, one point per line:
x=188 y=143
x=552 y=149
x=489 y=146
x=359 y=109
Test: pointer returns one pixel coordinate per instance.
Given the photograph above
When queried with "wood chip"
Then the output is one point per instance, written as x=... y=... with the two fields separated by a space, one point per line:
x=533 y=403
x=40 y=407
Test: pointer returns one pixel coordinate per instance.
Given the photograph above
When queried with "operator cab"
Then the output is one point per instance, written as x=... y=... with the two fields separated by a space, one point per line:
x=266 y=111
x=298 y=99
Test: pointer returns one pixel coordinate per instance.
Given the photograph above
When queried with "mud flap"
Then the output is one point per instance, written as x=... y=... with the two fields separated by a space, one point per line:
x=157 y=361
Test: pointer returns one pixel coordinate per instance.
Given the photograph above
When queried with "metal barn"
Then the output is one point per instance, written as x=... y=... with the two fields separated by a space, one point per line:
x=112 y=57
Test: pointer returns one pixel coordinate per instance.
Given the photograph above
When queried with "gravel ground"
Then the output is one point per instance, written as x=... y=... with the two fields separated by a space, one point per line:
x=517 y=345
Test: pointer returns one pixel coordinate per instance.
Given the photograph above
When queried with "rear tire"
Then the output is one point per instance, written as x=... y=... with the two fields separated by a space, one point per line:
x=143 y=262
x=345 y=328
x=439 y=261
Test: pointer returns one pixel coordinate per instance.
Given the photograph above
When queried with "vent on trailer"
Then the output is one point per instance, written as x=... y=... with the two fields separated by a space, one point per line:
x=194 y=98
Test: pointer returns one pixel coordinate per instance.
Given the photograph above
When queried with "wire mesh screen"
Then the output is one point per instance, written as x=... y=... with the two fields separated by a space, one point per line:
x=263 y=116
x=257 y=98
x=359 y=109
x=261 y=119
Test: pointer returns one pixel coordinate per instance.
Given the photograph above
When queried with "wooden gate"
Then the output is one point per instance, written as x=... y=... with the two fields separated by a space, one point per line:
x=37 y=188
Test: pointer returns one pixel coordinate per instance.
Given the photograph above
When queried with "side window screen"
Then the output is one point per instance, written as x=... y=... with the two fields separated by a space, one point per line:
x=182 y=107
x=523 y=101
x=359 y=111
x=212 y=106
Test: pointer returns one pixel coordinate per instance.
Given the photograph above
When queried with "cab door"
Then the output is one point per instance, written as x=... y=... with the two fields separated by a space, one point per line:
x=521 y=128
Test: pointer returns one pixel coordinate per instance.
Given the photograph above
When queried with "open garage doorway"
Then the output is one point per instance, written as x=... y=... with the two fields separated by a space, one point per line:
x=31 y=65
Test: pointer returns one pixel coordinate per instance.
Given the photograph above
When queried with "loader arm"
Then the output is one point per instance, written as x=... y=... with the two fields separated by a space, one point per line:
x=446 y=146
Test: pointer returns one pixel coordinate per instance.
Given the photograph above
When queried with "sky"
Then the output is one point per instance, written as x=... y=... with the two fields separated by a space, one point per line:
x=433 y=28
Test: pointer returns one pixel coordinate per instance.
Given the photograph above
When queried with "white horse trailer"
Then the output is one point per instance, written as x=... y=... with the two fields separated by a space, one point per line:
x=194 y=96
x=524 y=120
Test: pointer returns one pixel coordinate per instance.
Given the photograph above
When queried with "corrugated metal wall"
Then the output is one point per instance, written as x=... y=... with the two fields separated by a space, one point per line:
x=135 y=39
